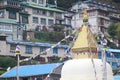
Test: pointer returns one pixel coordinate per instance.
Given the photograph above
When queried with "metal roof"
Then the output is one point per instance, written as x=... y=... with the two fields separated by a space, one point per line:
x=5 y=20
x=110 y=49
x=117 y=77
x=38 y=44
x=31 y=70
x=42 y=7
x=114 y=50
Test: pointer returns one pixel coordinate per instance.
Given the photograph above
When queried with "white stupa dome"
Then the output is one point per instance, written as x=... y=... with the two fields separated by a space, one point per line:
x=82 y=69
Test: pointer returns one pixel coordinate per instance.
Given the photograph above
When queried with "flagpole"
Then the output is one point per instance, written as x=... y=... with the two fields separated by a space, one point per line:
x=104 y=65
x=104 y=59
x=18 y=59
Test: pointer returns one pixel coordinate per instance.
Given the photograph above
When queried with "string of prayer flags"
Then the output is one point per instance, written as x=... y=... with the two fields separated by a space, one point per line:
x=46 y=51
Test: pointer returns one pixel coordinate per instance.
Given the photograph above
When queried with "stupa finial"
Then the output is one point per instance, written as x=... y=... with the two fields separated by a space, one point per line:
x=85 y=16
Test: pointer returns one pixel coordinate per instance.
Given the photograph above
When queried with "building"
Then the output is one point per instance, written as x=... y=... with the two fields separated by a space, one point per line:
x=9 y=17
x=32 y=49
x=113 y=57
x=9 y=27
x=34 y=72
x=85 y=64
x=9 y=9
x=37 y=14
x=100 y=15
x=39 y=71
x=29 y=15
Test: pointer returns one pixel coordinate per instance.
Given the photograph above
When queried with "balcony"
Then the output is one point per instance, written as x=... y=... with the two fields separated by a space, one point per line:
x=59 y=17
x=24 y=12
x=104 y=17
x=100 y=24
x=115 y=16
x=2 y=6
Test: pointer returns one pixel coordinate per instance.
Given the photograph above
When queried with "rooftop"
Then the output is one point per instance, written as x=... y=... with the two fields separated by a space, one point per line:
x=36 y=44
x=42 y=7
x=31 y=70
x=5 y=20
x=117 y=77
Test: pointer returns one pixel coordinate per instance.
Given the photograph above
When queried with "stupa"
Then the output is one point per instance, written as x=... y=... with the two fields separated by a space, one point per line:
x=85 y=64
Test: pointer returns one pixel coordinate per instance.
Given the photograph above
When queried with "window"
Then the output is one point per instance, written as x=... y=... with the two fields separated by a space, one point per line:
x=114 y=64
x=80 y=15
x=24 y=19
x=58 y=16
x=34 y=11
x=6 y=27
x=28 y=49
x=50 y=22
x=44 y=12
x=41 y=1
x=12 y=15
x=35 y=1
x=43 y=21
x=1 y=14
x=35 y=19
x=69 y=22
x=55 y=50
x=51 y=13
x=42 y=49
x=12 y=48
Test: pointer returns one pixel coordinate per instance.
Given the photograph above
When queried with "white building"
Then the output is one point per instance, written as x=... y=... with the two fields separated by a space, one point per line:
x=9 y=17
x=29 y=15
x=100 y=15
x=31 y=49
x=35 y=13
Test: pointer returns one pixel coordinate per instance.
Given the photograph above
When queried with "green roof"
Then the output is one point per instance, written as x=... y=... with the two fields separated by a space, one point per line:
x=42 y=7
x=5 y=20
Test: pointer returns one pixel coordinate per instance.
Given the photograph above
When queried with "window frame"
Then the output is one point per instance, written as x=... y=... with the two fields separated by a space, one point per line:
x=40 y=1
x=28 y=49
x=49 y=21
x=35 y=19
x=42 y=49
x=55 y=50
x=43 y=21
x=12 y=15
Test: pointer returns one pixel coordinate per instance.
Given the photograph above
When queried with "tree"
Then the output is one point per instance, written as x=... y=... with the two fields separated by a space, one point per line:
x=118 y=30
x=116 y=1
x=114 y=31
x=6 y=62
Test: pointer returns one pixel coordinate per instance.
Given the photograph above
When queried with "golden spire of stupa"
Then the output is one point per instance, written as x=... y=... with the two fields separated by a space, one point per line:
x=85 y=16
x=85 y=45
